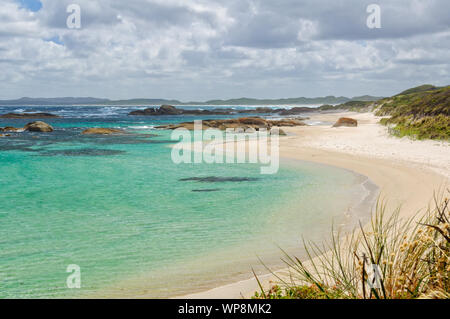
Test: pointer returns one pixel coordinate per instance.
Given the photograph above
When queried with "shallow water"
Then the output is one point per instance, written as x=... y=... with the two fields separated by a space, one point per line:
x=136 y=223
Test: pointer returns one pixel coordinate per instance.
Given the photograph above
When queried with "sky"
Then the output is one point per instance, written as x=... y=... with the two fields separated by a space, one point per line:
x=206 y=49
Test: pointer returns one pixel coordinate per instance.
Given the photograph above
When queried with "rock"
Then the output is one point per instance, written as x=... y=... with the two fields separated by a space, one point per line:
x=38 y=127
x=172 y=110
x=102 y=131
x=28 y=116
x=146 y=112
x=245 y=124
x=288 y=122
x=169 y=110
x=254 y=121
x=261 y=110
x=345 y=121
x=11 y=129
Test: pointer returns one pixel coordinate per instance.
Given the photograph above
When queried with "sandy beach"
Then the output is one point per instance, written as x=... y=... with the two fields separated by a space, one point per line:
x=407 y=172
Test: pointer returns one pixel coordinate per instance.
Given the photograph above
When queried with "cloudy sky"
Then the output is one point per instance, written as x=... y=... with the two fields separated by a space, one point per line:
x=204 y=49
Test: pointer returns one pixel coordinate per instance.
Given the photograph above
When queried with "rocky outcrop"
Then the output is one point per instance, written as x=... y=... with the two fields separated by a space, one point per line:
x=243 y=124
x=102 y=131
x=288 y=122
x=28 y=116
x=345 y=121
x=38 y=127
x=261 y=110
x=163 y=110
x=11 y=129
x=171 y=110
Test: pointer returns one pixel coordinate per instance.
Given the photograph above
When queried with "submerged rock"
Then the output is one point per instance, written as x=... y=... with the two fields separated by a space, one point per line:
x=206 y=190
x=345 y=121
x=82 y=152
x=28 y=116
x=102 y=131
x=216 y=179
x=38 y=126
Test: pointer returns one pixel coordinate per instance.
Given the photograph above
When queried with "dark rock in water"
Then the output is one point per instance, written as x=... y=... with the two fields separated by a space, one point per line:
x=172 y=110
x=206 y=190
x=28 y=116
x=102 y=131
x=345 y=121
x=261 y=110
x=38 y=127
x=163 y=110
x=82 y=152
x=216 y=179
x=169 y=110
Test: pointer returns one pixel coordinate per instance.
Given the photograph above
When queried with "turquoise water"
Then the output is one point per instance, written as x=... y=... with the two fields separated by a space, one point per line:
x=116 y=206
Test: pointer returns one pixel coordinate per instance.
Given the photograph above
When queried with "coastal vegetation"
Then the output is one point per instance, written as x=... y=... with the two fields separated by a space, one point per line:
x=351 y=106
x=392 y=258
x=422 y=113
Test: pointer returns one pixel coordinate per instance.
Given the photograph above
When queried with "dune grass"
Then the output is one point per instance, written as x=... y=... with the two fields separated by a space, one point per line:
x=390 y=258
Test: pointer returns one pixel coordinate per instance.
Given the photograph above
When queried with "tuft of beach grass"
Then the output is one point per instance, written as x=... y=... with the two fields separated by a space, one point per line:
x=391 y=258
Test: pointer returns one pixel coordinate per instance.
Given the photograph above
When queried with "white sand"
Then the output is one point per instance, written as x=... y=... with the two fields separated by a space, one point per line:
x=407 y=171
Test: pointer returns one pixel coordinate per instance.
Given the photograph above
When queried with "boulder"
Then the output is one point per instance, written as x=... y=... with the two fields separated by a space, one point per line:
x=345 y=121
x=254 y=121
x=102 y=131
x=169 y=110
x=38 y=127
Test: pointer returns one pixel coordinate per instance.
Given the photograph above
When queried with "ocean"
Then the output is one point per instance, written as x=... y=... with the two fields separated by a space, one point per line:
x=137 y=224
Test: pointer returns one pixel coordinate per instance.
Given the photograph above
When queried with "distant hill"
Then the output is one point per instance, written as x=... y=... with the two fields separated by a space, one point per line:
x=54 y=101
x=299 y=100
x=367 y=98
x=422 y=88
x=241 y=101
x=143 y=102
x=422 y=112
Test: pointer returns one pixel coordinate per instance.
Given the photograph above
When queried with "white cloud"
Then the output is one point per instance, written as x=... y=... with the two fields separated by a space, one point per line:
x=205 y=49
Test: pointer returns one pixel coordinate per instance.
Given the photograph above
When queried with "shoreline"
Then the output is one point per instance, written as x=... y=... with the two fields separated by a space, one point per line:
x=404 y=175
